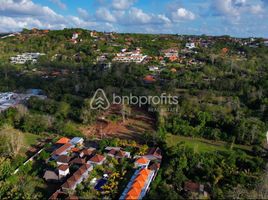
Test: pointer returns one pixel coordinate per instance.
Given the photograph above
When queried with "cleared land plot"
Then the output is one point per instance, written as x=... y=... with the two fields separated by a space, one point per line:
x=132 y=128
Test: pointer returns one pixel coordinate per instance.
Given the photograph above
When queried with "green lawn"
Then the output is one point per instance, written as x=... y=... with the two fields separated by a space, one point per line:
x=202 y=145
x=30 y=139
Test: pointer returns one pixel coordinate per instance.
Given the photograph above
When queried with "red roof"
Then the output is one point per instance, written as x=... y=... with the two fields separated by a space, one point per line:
x=75 y=150
x=149 y=78
x=63 y=140
x=87 y=152
x=63 y=167
x=121 y=154
x=72 y=181
x=63 y=159
x=97 y=158
x=112 y=152
x=79 y=161
x=62 y=149
x=191 y=186
x=142 y=160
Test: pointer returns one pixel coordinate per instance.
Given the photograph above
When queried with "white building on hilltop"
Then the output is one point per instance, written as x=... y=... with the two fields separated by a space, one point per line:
x=132 y=56
x=190 y=45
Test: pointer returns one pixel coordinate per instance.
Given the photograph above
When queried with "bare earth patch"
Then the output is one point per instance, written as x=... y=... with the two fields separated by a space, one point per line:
x=139 y=122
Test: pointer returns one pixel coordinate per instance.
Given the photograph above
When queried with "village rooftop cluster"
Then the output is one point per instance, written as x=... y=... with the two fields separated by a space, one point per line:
x=177 y=55
x=75 y=161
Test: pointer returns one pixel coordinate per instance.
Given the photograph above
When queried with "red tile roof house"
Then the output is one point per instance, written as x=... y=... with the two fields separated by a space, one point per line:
x=80 y=175
x=63 y=150
x=141 y=162
x=78 y=161
x=63 y=140
x=97 y=160
x=122 y=154
x=63 y=160
x=63 y=170
x=87 y=152
x=112 y=153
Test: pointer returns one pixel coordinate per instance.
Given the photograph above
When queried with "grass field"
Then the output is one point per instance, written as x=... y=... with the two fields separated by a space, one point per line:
x=30 y=139
x=202 y=145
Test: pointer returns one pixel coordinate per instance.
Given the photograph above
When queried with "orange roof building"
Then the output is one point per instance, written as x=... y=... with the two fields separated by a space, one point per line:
x=134 y=192
x=145 y=172
x=138 y=184
x=149 y=79
x=173 y=58
x=141 y=178
x=63 y=140
x=137 y=189
x=129 y=197
x=142 y=162
x=75 y=150
x=224 y=50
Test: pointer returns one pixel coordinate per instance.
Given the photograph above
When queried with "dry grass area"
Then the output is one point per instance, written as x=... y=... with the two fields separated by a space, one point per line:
x=135 y=125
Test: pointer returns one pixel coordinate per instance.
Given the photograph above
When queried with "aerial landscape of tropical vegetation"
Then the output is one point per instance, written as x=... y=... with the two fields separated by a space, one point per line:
x=215 y=136
x=88 y=114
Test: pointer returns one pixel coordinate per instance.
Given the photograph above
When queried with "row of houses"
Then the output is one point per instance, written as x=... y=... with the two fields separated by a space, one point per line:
x=75 y=162
x=132 y=56
x=172 y=54
x=147 y=167
x=139 y=184
x=25 y=57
